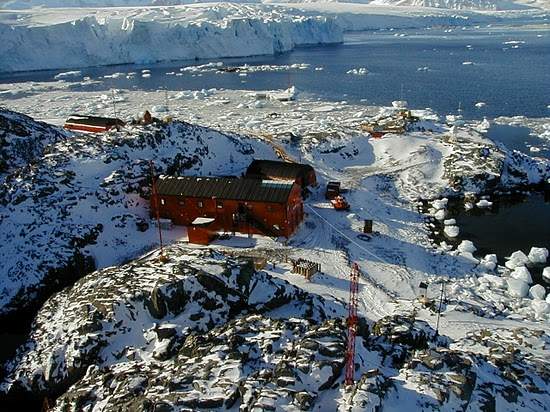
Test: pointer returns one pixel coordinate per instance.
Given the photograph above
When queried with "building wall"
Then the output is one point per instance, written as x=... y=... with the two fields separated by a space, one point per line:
x=182 y=211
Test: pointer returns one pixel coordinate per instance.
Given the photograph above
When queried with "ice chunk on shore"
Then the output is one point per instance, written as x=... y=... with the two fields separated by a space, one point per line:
x=159 y=109
x=440 y=203
x=400 y=104
x=517 y=287
x=489 y=262
x=538 y=255
x=540 y=307
x=537 y=292
x=467 y=246
x=522 y=273
x=451 y=231
x=516 y=259
x=494 y=280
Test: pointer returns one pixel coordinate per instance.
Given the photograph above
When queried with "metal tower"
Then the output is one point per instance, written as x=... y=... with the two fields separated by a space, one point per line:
x=352 y=323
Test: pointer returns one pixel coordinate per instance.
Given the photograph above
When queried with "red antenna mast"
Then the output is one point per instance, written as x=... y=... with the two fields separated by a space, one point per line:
x=352 y=323
x=155 y=198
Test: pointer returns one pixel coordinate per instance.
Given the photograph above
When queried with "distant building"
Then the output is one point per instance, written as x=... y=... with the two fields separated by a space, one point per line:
x=245 y=205
x=93 y=124
x=302 y=174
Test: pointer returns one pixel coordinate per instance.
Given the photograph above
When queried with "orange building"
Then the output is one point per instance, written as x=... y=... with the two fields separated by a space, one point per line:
x=245 y=205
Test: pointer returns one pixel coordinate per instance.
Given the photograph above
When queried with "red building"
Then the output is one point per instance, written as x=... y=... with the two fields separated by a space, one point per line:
x=302 y=174
x=92 y=124
x=244 y=205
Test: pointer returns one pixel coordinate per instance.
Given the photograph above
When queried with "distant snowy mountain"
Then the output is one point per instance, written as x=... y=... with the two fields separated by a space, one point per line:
x=453 y=4
x=24 y=4
x=445 y=4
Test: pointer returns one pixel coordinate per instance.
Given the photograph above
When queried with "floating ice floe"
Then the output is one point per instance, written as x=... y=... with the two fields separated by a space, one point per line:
x=484 y=203
x=538 y=255
x=451 y=231
x=146 y=75
x=114 y=75
x=64 y=75
x=440 y=203
x=440 y=214
x=522 y=273
x=468 y=63
x=479 y=105
x=517 y=287
x=546 y=274
x=466 y=246
x=361 y=71
x=423 y=69
x=514 y=42
x=537 y=292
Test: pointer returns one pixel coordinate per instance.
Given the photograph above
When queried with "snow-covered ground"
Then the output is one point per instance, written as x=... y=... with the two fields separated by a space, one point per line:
x=61 y=187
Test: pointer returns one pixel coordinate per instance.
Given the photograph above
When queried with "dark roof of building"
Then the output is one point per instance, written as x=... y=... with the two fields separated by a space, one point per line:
x=94 y=120
x=273 y=169
x=244 y=189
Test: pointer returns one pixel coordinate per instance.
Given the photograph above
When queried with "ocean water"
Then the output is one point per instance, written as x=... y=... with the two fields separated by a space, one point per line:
x=513 y=223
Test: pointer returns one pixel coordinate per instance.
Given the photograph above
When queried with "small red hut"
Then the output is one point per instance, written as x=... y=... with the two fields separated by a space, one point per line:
x=245 y=205
x=302 y=174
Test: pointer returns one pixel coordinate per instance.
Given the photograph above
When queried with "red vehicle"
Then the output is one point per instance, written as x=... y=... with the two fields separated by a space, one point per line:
x=340 y=203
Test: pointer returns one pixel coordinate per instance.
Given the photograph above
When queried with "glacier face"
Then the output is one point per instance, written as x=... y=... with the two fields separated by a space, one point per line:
x=159 y=34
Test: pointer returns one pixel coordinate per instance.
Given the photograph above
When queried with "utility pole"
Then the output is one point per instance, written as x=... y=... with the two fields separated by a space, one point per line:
x=114 y=102
x=155 y=198
x=352 y=324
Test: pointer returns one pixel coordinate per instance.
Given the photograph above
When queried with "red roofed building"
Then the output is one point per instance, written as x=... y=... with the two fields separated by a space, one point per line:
x=245 y=205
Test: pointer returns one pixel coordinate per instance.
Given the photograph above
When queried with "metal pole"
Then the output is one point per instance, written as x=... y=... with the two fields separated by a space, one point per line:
x=439 y=309
x=154 y=193
x=114 y=103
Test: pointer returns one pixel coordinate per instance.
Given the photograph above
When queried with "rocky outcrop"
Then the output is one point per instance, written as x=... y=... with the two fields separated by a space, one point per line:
x=87 y=195
x=147 y=311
